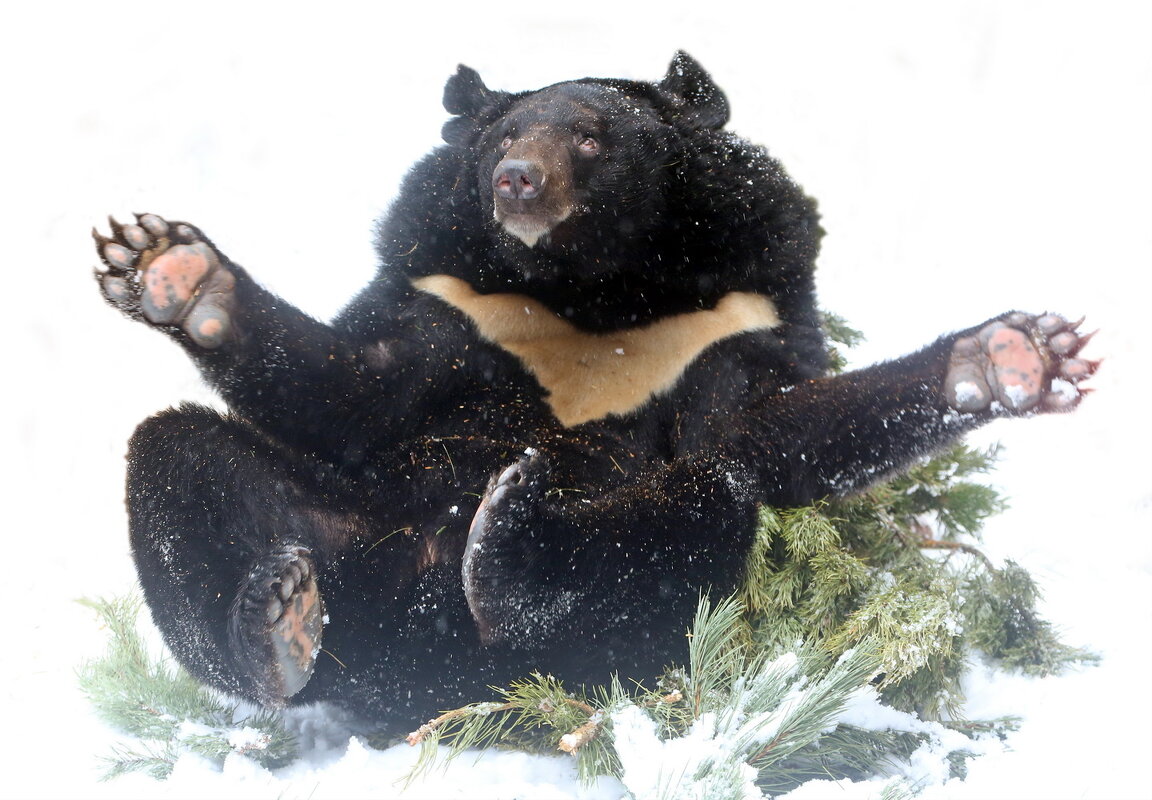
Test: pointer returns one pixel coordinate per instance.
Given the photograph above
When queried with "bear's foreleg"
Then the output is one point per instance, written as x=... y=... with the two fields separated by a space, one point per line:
x=293 y=376
x=835 y=435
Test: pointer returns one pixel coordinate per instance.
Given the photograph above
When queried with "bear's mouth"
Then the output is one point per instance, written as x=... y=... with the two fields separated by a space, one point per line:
x=530 y=228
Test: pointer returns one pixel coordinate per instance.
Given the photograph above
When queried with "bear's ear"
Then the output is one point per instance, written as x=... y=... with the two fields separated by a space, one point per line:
x=704 y=103
x=465 y=93
x=459 y=131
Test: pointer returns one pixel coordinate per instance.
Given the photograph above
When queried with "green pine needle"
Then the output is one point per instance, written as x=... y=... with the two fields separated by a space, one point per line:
x=164 y=708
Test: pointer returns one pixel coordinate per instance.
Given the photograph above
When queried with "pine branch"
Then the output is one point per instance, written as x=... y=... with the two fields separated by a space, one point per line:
x=474 y=710
x=820 y=706
x=535 y=714
x=748 y=712
x=155 y=764
x=1002 y=621
x=156 y=702
x=846 y=752
x=716 y=651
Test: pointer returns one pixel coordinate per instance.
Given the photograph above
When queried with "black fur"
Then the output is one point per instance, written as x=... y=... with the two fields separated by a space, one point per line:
x=371 y=441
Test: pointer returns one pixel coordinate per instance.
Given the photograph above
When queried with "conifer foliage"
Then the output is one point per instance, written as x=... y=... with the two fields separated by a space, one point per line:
x=165 y=709
x=899 y=565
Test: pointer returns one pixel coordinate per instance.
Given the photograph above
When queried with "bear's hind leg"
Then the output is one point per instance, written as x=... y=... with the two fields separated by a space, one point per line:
x=593 y=579
x=226 y=537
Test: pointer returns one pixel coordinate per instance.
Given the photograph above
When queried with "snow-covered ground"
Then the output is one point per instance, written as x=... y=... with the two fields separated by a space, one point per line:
x=969 y=157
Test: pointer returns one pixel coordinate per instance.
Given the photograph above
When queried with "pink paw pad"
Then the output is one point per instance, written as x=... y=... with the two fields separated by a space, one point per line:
x=1018 y=368
x=1018 y=364
x=165 y=274
x=171 y=281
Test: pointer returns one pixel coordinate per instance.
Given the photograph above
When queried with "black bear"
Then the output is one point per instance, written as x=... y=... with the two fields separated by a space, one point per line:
x=591 y=351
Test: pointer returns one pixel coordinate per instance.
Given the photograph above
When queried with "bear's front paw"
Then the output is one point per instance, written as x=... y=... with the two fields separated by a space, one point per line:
x=167 y=274
x=1017 y=364
x=276 y=623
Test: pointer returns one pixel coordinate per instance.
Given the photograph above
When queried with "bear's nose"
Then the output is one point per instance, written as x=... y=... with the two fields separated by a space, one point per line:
x=516 y=179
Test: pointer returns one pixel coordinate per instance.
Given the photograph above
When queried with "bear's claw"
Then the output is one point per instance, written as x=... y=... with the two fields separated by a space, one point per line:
x=1017 y=364
x=276 y=624
x=166 y=274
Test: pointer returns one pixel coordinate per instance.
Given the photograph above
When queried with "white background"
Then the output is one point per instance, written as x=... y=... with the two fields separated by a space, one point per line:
x=969 y=158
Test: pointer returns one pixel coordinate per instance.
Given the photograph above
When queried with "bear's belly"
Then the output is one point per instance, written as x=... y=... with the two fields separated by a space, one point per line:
x=590 y=375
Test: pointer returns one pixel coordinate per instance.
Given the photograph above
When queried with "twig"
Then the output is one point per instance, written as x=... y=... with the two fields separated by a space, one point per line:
x=674 y=696
x=385 y=538
x=420 y=734
x=571 y=742
x=927 y=541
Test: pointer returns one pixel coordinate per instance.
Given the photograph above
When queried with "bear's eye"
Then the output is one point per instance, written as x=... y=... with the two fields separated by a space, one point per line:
x=587 y=144
x=504 y=145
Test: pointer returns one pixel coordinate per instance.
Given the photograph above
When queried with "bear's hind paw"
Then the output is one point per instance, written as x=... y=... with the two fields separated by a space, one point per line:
x=276 y=625
x=499 y=554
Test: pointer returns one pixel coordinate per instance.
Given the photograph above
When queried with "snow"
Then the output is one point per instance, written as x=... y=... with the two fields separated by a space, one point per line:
x=1016 y=395
x=1065 y=390
x=969 y=158
x=928 y=765
x=655 y=769
x=965 y=391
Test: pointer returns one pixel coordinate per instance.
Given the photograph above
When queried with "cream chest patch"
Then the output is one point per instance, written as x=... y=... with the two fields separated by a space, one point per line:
x=590 y=375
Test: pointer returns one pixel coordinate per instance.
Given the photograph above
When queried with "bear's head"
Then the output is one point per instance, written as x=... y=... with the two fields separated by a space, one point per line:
x=580 y=162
